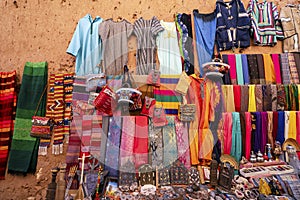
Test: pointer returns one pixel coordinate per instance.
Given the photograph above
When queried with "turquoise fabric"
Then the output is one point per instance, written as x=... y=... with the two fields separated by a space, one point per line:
x=236 y=146
x=239 y=69
x=86 y=46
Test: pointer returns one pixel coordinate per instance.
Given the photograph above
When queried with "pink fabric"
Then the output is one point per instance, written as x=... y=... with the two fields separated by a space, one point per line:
x=141 y=141
x=127 y=139
x=232 y=63
x=248 y=135
x=275 y=59
x=183 y=142
x=227 y=130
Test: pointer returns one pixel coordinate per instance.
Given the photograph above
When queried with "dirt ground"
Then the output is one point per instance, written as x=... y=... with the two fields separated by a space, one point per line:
x=40 y=30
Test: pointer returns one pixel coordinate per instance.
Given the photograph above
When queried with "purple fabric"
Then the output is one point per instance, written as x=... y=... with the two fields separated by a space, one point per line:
x=257 y=133
x=245 y=69
x=264 y=131
x=113 y=146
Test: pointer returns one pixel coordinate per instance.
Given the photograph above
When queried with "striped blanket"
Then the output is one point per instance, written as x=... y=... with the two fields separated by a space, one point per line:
x=8 y=100
x=166 y=94
x=24 y=148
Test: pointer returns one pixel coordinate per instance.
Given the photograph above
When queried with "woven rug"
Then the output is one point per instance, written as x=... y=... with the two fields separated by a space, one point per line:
x=24 y=148
x=8 y=100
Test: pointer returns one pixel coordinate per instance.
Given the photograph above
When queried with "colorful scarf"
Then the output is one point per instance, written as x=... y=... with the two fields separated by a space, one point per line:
x=96 y=136
x=236 y=145
x=227 y=131
x=293 y=92
x=259 y=98
x=276 y=62
x=253 y=69
x=293 y=68
x=267 y=97
x=264 y=131
x=244 y=98
x=258 y=132
x=275 y=126
x=104 y=134
x=281 y=97
x=298 y=126
x=292 y=125
x=274 y=97
x=237 y=97
x=183 y=142
x=113 y=146
x=24 y=149
x=270 y=128
x=269 y=69
x=166 y=94
x=286 y=124
x=195 y=95
x=170 y=142
x=8 y=100
x=252 y=99
x=281 y=127
x=141 y=141
x=227 y=92
x=239 y=69
x=155 y=145
x=260 y=67
x=248 y=135
x=86 y=135
x=245 y=69
x=285 y=70
x=233 y=70
x=127 y=139
x=73 y=149
x=288 y=103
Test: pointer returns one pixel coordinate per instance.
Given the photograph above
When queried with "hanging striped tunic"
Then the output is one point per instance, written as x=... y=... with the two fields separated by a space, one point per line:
x=265 y=25
x=146 y=32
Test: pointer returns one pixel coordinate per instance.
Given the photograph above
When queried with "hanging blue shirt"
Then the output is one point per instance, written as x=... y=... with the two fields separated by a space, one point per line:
x=86 y=46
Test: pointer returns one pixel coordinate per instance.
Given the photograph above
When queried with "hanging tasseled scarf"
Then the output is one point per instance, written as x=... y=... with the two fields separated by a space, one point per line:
x=127 y=139
x=169 y=141
x=113 y=146
x=155 y=145
x=183 y=142
x=8 y=98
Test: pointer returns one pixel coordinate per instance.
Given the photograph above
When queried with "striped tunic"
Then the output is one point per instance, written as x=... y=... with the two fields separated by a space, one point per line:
x=146 y=32
x=265 y=25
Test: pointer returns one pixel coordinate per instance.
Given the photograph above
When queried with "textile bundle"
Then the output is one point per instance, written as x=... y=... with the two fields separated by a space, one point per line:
x=8 y=98
x=255 y=129
x=24 y=148
x=166 y=95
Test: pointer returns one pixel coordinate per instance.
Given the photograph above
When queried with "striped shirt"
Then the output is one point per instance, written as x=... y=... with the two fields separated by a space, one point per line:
x=265 y=25
x=146 y=32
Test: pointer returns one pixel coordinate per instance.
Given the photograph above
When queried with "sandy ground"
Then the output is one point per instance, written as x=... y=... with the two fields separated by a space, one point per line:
x=40 y=30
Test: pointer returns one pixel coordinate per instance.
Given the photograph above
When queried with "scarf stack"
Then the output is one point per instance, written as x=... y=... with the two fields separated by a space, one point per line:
x=165 y=95
x=24 y=149
x=8 y=99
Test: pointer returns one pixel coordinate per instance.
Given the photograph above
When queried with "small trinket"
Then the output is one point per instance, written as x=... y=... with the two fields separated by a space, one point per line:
x=252 y=157
x=260 y=157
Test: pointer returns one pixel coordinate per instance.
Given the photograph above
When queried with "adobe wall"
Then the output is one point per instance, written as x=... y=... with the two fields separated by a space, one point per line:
x=40 y=30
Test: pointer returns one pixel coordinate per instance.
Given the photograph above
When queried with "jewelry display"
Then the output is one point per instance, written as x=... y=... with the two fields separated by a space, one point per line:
x=178 y=174
x=146 y=175
x=127 y=177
